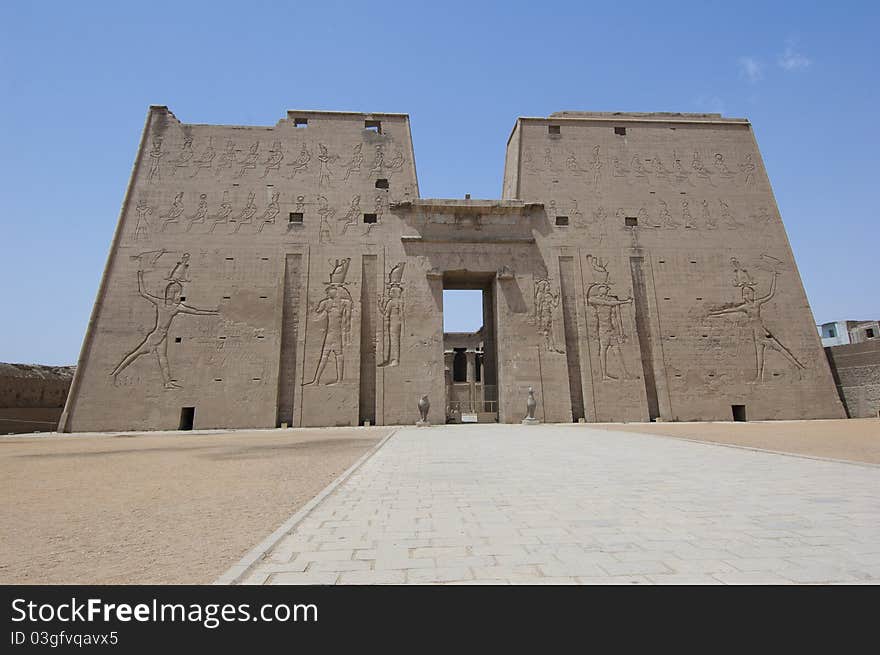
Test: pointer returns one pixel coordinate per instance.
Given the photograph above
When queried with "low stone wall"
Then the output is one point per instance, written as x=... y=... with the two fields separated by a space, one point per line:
x=32 y=396
x=856 y=370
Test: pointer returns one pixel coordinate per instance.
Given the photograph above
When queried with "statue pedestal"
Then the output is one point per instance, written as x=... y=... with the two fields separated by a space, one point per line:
x=531 y=421
x=422 y=424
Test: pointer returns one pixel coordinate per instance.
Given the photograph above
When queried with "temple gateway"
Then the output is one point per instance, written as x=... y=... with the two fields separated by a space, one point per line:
x=635 y=268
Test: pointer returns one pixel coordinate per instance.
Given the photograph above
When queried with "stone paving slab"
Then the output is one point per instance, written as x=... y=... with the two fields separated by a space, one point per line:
x=556 y=504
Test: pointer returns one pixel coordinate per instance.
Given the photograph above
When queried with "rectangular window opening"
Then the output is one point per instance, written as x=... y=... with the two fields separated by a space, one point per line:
x=373 y=126
x=631 y=221
x=620 y=131
x=562 y=220
x=739 y=412
x=381 y=183
x=869 y=333
x=295 y=217
x=371 y=218
x=301 y=122
x=554 y=129
x=187 y=418
x=176 y=339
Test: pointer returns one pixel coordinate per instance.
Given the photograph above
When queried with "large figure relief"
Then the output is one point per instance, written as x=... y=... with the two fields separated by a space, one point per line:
x=609 y=321
x=391 y=308
x=167 y=306
x=334 y=311
x=750 y=309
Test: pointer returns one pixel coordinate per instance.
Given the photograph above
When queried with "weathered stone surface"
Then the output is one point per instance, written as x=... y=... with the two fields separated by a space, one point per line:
x=636 y=266
x=856 y=370
x=32 y=396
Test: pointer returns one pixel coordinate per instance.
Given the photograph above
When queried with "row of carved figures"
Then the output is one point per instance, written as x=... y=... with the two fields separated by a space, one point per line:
x=602 y=168
x=690 y=214
x=268 y=163
x=232 y=220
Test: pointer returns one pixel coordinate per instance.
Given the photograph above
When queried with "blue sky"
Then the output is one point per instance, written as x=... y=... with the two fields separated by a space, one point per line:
x=77 y=77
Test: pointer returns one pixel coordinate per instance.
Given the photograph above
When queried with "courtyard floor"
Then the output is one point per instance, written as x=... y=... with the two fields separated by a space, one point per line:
x=156 y=508
x=556 y=504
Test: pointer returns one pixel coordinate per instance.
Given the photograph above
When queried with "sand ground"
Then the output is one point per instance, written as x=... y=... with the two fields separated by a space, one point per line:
x=856 y=440
x=159 y=508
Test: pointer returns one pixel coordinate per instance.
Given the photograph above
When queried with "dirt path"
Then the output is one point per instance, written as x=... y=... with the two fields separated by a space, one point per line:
x=157 y=508
x=857 y=440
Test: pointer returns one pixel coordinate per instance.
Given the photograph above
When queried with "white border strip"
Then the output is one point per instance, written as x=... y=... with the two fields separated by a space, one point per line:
x=238 y=571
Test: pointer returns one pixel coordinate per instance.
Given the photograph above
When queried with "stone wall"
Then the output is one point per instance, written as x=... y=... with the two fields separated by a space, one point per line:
x=636 y=268
x=856 y=369
x=32 y=396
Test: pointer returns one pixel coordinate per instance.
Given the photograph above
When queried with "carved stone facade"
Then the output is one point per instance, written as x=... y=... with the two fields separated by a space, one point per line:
x=635 y=268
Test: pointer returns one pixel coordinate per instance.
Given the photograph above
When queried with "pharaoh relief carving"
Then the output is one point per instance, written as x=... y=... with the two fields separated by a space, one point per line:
x=201 y=214
x=301 y=163
x=156 y=155
x=174 y=212
x=249 y=162
x=748 y=168
x=326 y=213
x=391 y=308
x=168 y=306
x=609 y=320
x=227 y=158
x=749 y=308
x=545 y=303
x=378 y=167
x=353 y=165
x=396 y=162
x=142 y=226
x=325 y=160
x=334 y=311
x=246 y=217
x=272 y=210
x=273 y=160
x=205 y=159
x=350 y=219
x=223 y=213
x=184 y=157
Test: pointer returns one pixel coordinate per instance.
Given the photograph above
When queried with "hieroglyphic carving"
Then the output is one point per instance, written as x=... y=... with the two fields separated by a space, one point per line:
x=249 y=162
x=351 y=216
x=380 y=202
x=748 y=168
x=708 y=219
x=638 y=168
x=666 y=219
x=679 y=173
x=273 y=159
x=246 y=217
x=325 y=234
x=750 y=308
x=184 y=156
x=227 y=158
x=335 y=312
x=596 y=166
x=156 y=155
x=609 y=322
x=225 y=211
x=529 y=160
x=167 y=307
x=727 y=215
x=686 y=214
x=545 y=303
x=272 y=210
x=174 y=212
x=205 y=160
x=301 y=163
x=721 y=167
x=391 y=307
x=659 y=169
x=571 y=164
x=378 y=168
x=617 y=169
x=325 y=159
x=142 y=226
x=396 y=162
x=201 y=214
x=354 y=164
x=702 y=172
x=548 y=159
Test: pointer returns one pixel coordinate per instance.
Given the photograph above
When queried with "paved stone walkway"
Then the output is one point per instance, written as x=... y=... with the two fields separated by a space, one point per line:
x=573 y=504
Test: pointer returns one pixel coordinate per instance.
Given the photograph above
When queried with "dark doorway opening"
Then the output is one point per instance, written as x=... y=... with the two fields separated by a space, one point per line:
x=187 y=418
x=469 y=347
x=739 y=412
